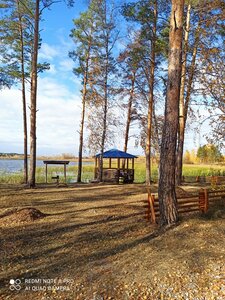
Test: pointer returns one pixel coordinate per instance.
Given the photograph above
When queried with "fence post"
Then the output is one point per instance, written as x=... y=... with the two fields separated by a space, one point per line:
x=206 y=207
x=203 y=200
x=214 y=181
x=148 y=210
x=151 y=210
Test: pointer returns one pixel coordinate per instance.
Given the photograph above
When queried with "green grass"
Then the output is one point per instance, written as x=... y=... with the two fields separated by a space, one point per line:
x=88 y=173
x=188 y=171
x=203 y=170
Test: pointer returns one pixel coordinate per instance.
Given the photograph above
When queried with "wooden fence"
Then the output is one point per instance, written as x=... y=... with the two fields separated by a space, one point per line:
x=213 y=180
x=186 y=204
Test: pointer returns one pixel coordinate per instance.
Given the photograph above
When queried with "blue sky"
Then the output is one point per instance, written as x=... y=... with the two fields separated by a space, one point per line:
x=58 y=101
x=58 y=91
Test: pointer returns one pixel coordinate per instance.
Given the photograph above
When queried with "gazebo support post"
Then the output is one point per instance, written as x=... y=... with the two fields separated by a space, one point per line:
x=96 y=164
x=118 y=164
x=46 y=173
x=65 y=172
x=99 y=164
x=118 y=170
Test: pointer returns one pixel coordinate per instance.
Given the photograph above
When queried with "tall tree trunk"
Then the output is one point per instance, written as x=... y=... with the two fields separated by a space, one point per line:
x=129 y=112
x=105 y=97
x=105 y=111
x=25 y=130
x=23 y=94
x=156 y=132
x=189 y=83
x=33 y=99
x=167 y=193
x=84 y=94
x=151 y=98
x=80 y=154
x=191 y=76
x=180 y=147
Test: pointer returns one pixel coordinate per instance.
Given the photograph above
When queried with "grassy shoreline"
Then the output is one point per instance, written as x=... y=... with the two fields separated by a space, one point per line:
x=88 y=173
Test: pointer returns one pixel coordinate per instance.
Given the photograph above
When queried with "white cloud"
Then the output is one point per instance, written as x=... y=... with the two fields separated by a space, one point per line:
x=66 y=65
x=57 y=119
x=61 y=66
x=48 y=52
x=11 y=126
x=58 y=104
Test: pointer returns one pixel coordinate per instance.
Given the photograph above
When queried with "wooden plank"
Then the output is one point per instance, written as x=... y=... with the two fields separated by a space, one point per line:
x=186 y=200
x=194 y=201
x=180 y=210
x=181 y=198
x=188 y=197
x=189 y=204
x=56 y=162
x=216 y=199
x=188 y=210
x=216 y=195
x=217 y=191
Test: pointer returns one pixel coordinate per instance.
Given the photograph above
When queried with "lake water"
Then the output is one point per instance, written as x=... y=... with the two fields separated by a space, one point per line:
x=16 y=165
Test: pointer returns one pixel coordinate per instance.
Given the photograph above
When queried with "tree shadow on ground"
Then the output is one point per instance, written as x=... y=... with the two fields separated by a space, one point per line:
x=52 y=254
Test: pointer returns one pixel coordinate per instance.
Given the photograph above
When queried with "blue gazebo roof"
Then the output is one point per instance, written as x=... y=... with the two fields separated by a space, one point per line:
x=115 y=153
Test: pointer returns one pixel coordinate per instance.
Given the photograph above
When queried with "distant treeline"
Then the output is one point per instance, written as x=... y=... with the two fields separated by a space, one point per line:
x=10 y=154
x=59 y=156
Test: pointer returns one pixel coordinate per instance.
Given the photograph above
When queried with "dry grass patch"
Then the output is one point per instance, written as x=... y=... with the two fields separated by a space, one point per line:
x=23 y=215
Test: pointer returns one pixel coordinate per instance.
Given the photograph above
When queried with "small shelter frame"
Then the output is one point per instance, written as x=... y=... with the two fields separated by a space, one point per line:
x=55 y=162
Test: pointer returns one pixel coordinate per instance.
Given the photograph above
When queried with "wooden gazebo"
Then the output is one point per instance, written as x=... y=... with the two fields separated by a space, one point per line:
x=117 y=165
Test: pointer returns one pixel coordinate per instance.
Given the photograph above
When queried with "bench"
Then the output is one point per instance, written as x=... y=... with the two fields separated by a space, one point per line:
x=56 y=178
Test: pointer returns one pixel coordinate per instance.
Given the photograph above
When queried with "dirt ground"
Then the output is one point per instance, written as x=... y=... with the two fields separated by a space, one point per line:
x=93 y=242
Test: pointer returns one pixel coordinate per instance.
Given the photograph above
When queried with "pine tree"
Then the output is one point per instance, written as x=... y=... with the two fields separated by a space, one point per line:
x=167 y=193
x=101 y=73
x=145 y=15
x=202 y=48
x=130 y=64
x=83 y=36
x=17 y=39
